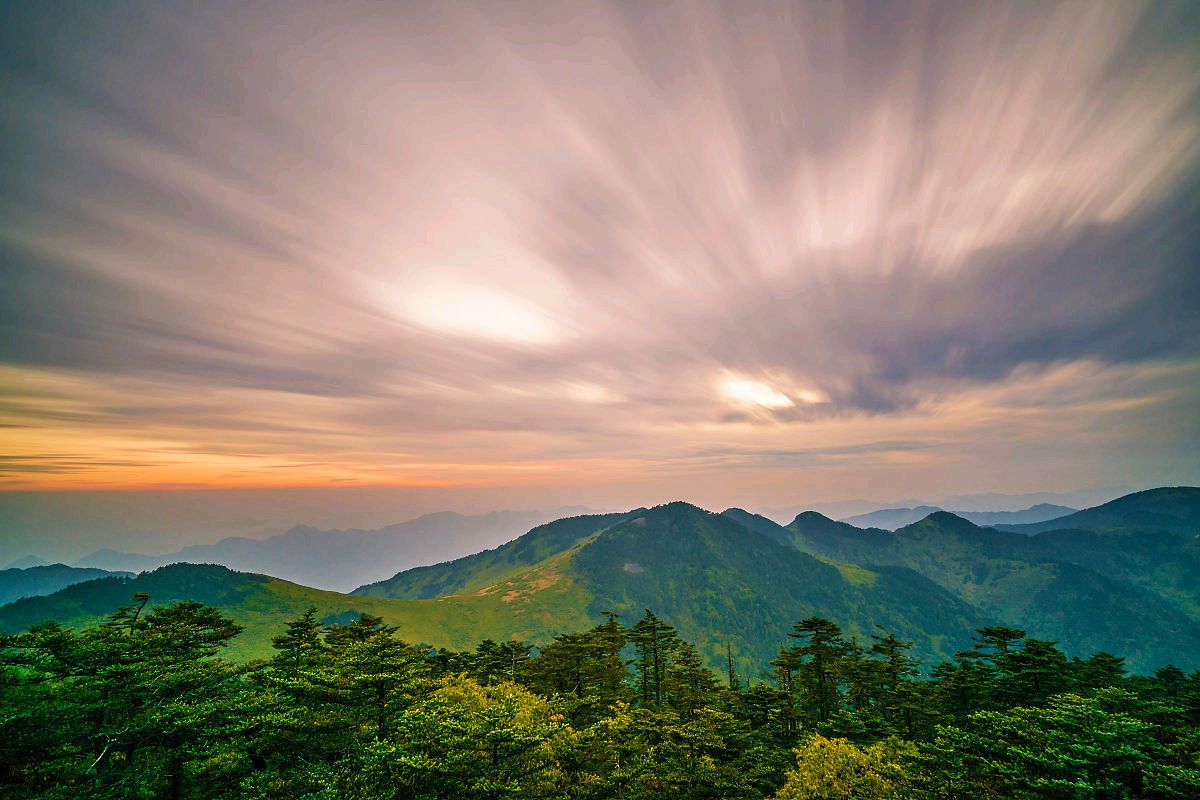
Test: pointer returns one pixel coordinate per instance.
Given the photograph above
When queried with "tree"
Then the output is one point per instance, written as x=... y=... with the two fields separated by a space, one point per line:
x=1074 y=747
x=505 y=661
x=690 y=686
x=300 y=644
x=900 y=709
x=835 y=769
x=820 y=652
x=129 y=707
x=467 y=741
x=586 y=668
x=653 y=641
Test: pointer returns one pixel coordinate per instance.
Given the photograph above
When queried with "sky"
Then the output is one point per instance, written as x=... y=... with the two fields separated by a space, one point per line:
x=507 y=255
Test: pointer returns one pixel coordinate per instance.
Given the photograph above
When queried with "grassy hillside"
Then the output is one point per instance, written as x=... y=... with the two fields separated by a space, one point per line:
x=482 y=569
x=536 y=605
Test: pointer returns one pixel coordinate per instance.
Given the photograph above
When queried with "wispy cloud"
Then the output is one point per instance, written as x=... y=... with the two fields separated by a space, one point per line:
x=550 y=243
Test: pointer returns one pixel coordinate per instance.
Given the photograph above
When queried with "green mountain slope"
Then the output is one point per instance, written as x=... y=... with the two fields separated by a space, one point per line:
x=536 y=606
x=1174 y=509
x=478 y=570
x=733 y=580
x=720 y=582
x=1047 y=587
x=1160 y=562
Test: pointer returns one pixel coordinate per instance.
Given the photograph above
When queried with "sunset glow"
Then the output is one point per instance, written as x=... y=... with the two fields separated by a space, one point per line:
x=457 y=246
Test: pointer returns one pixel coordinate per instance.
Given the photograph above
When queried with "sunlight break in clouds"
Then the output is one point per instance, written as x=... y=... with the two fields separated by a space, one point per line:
x=769 y=248
x=755 y=393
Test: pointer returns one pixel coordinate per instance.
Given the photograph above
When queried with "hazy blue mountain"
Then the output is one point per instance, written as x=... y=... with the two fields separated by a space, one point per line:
x=28 y=561
x=964 y=504
x=341 y=560
x=1173 y=509
x=1038 y=513
x=17 y=582
x=116 y=560
x=891 y=518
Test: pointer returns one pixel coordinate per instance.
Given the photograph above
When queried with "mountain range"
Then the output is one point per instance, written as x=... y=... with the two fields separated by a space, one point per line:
x=735 y=580
x=892 y=518
x=40 y=579
x=343 y=559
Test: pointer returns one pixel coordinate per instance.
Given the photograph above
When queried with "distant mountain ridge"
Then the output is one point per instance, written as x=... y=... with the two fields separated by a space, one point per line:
x=1174 y=509
x=893 y=518
x=735 y=579
x=341 y=560
x=18 y=582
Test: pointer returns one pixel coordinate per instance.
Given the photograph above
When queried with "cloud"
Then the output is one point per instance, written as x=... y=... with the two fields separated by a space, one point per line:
x=444 y=241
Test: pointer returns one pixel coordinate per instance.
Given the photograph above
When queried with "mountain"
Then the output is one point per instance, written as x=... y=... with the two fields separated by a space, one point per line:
x=263 y=604
x=1036 y=513
x=759 y=524
x=719 y=581
x=893 y=518
x=341 y=560
x=735 y=580
x=1068 y=589
x=17 y=582
x=988 y=502
x=1171 y=509
x=28 y=561
x=115 y=560
x=477 y=570
x=1160 y=562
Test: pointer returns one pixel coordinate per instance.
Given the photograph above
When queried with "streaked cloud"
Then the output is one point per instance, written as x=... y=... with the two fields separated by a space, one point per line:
x=592 y=245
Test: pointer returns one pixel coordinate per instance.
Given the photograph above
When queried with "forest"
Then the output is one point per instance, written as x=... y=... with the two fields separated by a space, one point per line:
x=144 y=706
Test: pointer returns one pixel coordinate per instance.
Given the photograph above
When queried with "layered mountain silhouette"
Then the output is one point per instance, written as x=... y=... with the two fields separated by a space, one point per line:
x=1174 y=510
x=18 y=582
x=736 y=579
x=893 y=518
x=341 y=560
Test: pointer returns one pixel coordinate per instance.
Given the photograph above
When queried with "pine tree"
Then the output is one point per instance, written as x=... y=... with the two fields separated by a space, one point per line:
x=300 y=644
x=820 y=651
x=653 y=641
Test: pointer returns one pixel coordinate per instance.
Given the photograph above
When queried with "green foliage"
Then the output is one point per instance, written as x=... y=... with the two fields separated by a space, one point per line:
x=1075 y=747
x=213 y=683
x=142 y=705
x=835 y=769
x=1132 y=591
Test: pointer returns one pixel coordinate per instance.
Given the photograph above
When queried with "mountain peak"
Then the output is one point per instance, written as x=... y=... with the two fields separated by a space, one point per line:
x=939 y=521
x=676 y=511
x=812 y=517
